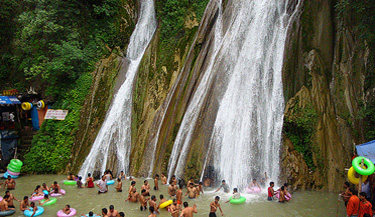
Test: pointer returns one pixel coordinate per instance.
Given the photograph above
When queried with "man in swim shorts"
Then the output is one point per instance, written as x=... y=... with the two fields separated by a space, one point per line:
x=147 y=187
x=172 y=189
x=112 y=212
x=225 y=186
x=10 y=183
x=152 y=212
x=162 y=200
x=156 y=182
x=4 y=204
x=24 y=204
x=163 y=179
x=192 y=191
x=119 y=185
x=152 y=203
x=214 y=205
x=175 y=208
x=102 y=184
x=10 y=199
x=179 y=195
x=188 y=211
x=143 y=200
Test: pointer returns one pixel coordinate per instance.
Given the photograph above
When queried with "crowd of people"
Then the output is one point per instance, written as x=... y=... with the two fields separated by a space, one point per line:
x=177 y=190
x=363 y=204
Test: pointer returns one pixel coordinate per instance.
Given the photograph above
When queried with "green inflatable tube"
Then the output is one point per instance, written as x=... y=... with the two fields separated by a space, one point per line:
x=12 y=169
x=16 y=162
x=70 y=182
x=356 y=163
x=241 y=200
x=14 y=166
x=8 y=212
x=51 y=201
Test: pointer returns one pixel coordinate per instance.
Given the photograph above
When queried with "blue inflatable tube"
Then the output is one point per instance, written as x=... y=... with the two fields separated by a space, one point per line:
x=6 y=174
x=29 y=212
x=35 y=118
x=45 y=192
x=111 y=182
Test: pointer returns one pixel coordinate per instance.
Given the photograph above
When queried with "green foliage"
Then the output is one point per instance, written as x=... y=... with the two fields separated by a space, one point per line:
x=359 y=17
x=51 y=147
x=172 y=15
x=299 y=128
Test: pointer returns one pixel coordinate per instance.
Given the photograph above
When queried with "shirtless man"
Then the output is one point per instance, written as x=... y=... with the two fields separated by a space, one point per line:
x=192 y=191
x=10 y=183
x=45 y=187
x=152 y=203
x=162 y=200
x=119 y=185
x=70 y=176
x=174 y=180
x=188 y=211
x=156 y=182
x=4 y=204
x=34 y=208
x=46 y=199
x=172 y=189
x=282 y=198
x=122 y=176
x=254 y=185
x=163 y=179
x=133 y=196
x=132 y=185
x=179 y=195
x=152 y=212
x=175 y=208
x=143 y=200
x=112 y=212
x=105 y=212
x=55 y=185
x=147 y=187
x=24 y=204
x=214 y=205
x=67 y=210
x=224 y=186
x=102 y=185
x=200 y=188
x=10 y=199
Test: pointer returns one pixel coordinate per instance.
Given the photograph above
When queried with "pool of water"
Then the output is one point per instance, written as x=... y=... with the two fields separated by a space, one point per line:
x=303 y=203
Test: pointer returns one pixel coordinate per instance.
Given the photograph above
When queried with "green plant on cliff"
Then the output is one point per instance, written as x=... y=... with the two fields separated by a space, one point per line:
x=299 y=127
x=51 y=147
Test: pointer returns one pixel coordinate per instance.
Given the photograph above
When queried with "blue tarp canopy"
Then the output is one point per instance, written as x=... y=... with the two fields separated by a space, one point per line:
x=367 y=150
x=9 y=100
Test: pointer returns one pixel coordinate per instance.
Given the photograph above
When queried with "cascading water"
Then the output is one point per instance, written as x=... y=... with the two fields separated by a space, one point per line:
x=115 y=133
x=246 y=134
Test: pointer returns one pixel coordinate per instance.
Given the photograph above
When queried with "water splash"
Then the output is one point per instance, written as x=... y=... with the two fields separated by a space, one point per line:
x=114 y=137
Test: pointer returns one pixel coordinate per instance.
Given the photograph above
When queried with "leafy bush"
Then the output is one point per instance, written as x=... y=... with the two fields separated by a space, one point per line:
x=51 y=147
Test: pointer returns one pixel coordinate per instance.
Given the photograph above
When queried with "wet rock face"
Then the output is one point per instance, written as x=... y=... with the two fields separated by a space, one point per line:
x=324 y=69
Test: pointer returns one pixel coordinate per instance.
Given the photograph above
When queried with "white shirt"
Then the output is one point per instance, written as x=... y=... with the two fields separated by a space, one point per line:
x=102 y=185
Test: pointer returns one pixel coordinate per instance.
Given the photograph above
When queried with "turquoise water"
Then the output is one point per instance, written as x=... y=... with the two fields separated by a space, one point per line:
x=303 y=203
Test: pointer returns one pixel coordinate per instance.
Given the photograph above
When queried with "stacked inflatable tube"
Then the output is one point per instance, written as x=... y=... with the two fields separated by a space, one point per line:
x=13 y=169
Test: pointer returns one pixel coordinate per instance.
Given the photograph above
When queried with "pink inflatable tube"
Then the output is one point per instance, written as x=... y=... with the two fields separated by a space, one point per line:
x=288 y=196
x=58 y=194
x=13 y=173
x=37 y=198
x=60 y=213
x=253 y=191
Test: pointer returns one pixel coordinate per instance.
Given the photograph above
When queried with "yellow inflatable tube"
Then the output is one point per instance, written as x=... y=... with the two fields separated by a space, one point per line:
x=352 y=177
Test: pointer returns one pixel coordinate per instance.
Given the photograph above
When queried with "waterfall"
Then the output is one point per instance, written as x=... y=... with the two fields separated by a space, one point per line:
x=114 y=137
x=246 y=136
